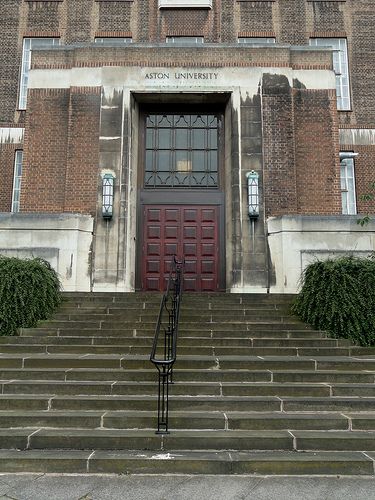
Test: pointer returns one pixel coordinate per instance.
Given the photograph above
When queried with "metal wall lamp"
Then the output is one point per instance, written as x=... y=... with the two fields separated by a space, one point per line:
x=108 y=182
x=253 y=193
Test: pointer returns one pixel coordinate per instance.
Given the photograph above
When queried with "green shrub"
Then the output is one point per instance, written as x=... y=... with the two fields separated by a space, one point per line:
x=29 y=291
x=338 y=295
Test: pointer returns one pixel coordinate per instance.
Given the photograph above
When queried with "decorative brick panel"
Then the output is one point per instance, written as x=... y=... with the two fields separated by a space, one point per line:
x=316 y=152
x=45 y=151
x=83 y=150
x=280 y=195
x=61 y=156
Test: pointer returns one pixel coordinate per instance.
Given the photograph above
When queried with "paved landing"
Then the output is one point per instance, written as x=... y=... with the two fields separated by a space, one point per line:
x=183 y=487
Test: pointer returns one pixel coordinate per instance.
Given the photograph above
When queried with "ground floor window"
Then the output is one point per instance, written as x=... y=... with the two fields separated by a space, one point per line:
x=348 y=195
x=17 y=181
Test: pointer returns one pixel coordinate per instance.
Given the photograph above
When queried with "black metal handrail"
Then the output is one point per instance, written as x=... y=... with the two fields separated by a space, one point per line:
x=164 y=347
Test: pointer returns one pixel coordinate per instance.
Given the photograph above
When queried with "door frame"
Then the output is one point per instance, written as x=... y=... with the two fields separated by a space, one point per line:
x=183 y=199
x=180 y=196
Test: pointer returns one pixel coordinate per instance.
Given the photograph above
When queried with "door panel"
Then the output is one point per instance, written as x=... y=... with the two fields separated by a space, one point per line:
x=189 y=232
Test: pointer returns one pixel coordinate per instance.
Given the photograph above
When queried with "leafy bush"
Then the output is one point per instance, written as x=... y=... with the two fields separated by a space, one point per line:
x=338 y=295
x=29 y=291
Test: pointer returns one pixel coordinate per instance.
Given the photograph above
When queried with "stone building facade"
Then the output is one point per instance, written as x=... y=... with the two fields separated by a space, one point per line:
x=175 y=103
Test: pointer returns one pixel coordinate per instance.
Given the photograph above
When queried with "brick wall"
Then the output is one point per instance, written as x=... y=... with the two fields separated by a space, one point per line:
x=362 y=64
x=78 y=21
x=292 y=21
x=255 y=16
x=43 y=16
x=280 y=195
x=300 y=150
x=83 y=151
x=328 y=16
x=61 y=152
x=81 y=21
x=115 y=16
x=10 y=57
x=45 y=151
x=316 y=152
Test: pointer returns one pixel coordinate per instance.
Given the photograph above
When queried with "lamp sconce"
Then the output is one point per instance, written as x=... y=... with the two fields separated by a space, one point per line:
x=253 y=193
x=108 y=182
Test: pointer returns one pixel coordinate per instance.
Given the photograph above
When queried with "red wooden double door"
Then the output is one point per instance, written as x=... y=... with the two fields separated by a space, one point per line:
x=187 y=231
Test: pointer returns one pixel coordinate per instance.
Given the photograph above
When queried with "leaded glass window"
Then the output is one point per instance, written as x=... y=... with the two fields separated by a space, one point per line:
x=182 y=150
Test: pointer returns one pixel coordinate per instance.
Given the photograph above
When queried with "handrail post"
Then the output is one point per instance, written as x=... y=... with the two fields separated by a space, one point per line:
x=170 y=305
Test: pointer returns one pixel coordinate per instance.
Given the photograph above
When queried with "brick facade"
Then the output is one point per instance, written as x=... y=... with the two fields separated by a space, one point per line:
x=292 y=21
x=60 y=162
x=299 y=126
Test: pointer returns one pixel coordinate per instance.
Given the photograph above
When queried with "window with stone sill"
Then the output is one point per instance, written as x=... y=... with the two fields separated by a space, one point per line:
x=185 y=40
x=185 y=4
x=341 y=68
x=17 y=181
x=252 y=40
x=347 y=177
x=28 y=45
x=110 y=41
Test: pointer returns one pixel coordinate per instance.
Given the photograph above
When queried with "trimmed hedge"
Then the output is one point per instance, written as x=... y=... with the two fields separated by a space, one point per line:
x=29 y=291
x=338 y=295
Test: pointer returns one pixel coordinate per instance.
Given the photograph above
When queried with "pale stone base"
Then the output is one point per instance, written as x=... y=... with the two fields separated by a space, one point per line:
x=64 y=240
x=295 y=241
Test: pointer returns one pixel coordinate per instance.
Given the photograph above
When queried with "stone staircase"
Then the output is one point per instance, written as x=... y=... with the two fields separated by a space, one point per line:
x=256 y=391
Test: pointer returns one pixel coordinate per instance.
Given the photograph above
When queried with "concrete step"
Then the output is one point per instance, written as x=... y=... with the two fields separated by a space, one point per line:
x=185 y=402
x=188 y=462
x=211 y=439
x=186 y=420
x=249 y=378
x=188 y=375
x=233 y=323
x=117 y=361
x=141 y=331
x=194 y=388
x=183 y=340
x=192 y=350
x=134 y=375
x=188 y=315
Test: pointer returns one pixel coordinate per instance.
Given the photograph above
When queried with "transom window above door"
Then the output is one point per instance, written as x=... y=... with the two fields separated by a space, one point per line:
x=182 y=150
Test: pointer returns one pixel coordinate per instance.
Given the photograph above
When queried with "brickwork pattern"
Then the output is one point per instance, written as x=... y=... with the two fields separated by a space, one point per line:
x=43 y=16
x=362 y=65
x=280 y=196
x=316 y=156
x=186 y=23
x=83 y=151
x=10 y=58
x=328 y=16
x=45 y=146
x=80 y=21
x=292 y=22
x=256 y=16
x=228 y=24
x=115 y=16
